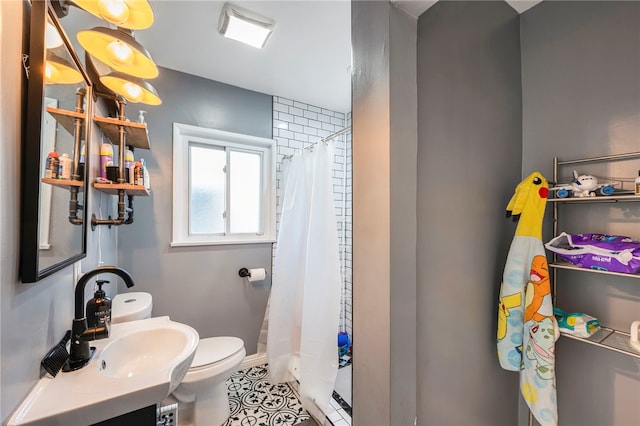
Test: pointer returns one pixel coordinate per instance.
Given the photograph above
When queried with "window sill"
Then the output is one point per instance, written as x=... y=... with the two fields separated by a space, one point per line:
x=220 y=243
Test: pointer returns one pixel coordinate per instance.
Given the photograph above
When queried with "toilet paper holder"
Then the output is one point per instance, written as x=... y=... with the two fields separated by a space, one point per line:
x=256 y=274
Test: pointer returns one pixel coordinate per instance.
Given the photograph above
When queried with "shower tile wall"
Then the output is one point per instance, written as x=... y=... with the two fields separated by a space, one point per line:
x=295 y=126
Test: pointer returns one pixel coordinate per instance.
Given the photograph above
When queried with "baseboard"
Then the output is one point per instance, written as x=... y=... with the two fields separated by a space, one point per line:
x=253 y=361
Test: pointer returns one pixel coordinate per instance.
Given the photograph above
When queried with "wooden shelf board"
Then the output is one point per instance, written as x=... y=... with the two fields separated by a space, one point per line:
x=66 y=118
x=112 y=188
x=608 y=338
x=63 y=183
x=136 y=133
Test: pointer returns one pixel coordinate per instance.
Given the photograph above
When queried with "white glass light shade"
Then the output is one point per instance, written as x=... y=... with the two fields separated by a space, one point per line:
x=244 y=25
x=52 y=37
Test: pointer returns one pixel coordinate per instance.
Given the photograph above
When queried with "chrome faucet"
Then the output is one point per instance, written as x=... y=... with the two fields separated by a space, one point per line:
x=80 y=353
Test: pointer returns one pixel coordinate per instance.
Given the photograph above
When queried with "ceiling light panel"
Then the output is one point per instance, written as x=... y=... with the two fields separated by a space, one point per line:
x=244 y=25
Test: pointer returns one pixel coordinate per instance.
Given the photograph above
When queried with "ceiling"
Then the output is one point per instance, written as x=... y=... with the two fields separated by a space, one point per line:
x=307 y=58
x=416 y=7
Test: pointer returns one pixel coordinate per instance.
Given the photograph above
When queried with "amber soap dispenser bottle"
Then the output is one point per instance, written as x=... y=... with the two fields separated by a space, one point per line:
x=99 y=308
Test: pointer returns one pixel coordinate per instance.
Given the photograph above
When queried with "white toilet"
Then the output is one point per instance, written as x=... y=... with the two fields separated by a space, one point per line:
x=215 y=360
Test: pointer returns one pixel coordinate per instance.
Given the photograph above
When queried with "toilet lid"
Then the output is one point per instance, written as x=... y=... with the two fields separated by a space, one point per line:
x=214 y=349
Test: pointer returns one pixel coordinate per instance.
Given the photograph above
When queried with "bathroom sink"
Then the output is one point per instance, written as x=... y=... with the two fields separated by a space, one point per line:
x=142 y=352
x=139 y=365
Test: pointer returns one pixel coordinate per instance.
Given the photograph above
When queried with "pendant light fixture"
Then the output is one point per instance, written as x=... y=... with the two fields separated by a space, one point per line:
x=58 y=70
x=131 y=14
x=119 y=50
x=133 y=89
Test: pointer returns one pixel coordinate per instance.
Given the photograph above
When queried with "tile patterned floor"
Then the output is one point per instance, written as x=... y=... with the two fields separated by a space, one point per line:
x=255 y=402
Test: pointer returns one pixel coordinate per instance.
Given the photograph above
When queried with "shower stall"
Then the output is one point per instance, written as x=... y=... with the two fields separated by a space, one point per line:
x=297 y=127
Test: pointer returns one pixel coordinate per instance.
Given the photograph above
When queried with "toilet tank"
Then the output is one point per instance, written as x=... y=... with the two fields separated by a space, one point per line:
x=130 y=307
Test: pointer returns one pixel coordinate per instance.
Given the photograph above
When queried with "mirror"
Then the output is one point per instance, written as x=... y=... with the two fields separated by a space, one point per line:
x=54 y=219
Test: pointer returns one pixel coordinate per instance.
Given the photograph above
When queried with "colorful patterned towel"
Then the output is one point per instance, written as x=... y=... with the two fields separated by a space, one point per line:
x=527 y=329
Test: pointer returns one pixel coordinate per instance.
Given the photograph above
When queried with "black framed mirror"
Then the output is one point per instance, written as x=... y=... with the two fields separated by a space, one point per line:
x=55 y=145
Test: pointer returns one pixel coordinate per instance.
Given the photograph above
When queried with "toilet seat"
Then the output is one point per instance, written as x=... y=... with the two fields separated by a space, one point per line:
x=215 y=355
x=215 y=349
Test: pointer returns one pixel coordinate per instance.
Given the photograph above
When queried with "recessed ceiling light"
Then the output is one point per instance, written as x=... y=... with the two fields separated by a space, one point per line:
x=244 y=25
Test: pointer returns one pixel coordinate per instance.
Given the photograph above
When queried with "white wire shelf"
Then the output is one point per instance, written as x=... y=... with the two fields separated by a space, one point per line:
x=615 y=198
x=571 y=266
x=608 y=338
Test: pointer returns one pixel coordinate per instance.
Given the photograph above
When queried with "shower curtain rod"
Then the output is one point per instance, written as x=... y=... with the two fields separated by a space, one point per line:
x=327 y=139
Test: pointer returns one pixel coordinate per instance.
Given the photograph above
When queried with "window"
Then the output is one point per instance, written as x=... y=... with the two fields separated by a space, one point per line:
x=223 y=187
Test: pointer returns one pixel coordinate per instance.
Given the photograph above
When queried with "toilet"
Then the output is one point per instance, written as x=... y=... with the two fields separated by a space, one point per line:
x=215 y=360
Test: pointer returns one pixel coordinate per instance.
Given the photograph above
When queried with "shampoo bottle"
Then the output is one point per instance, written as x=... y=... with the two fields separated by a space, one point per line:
x=98 y=310
x=106 y=158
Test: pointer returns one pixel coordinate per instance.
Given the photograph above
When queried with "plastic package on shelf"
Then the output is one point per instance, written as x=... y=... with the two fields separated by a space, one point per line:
x=575 y=323
x=602 y=252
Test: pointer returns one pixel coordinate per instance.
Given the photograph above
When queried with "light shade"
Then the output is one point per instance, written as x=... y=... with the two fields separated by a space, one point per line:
x=58 y=70
x=131 y=14
x=244 y=25
x=52 y=38
x=119 y=51
x=132 y=89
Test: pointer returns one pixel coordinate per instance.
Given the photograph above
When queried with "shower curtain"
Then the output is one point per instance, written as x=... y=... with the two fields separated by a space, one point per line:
x=304 y=307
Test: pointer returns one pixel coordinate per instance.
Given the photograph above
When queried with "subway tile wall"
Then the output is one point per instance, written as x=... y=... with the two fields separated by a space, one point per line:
x=297 y=125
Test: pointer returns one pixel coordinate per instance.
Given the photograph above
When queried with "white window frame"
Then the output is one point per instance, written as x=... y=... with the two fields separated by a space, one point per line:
x=183 y=135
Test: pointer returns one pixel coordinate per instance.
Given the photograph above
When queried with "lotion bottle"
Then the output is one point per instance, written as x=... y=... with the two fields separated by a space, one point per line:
x=65 y=166
x=98 y=311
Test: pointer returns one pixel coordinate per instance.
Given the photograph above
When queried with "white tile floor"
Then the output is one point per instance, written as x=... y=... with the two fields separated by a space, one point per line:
x=343 y=383
x=337 y=415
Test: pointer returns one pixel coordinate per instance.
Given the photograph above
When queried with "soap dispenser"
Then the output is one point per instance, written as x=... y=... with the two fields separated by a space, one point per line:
x=98 y=310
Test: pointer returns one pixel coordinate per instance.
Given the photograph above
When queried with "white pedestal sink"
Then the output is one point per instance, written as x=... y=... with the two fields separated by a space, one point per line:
x=139 y=365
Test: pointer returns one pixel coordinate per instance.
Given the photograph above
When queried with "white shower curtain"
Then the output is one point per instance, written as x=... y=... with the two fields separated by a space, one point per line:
x=305 y=296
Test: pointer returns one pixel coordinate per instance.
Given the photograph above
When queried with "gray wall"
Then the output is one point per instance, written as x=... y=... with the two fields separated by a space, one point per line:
x=33 y=317
x=198 y=286
x=581 y=98
x=469 y=161
x=384 y=214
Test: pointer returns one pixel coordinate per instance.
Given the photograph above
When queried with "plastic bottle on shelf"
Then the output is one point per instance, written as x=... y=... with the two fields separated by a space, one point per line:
x=138 y=175
x=65 y=166
x=637 y=184
x=52 y=165
x=129 y=162
x=81 y=164
x=106 y=158
x=145 y=174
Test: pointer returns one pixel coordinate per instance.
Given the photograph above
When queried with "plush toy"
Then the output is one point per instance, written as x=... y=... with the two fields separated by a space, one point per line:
x=527 y=329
